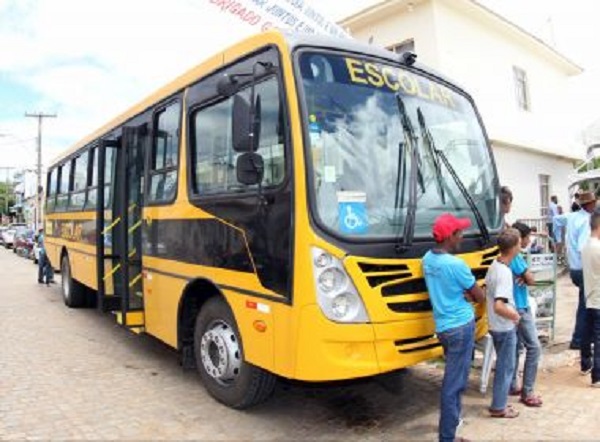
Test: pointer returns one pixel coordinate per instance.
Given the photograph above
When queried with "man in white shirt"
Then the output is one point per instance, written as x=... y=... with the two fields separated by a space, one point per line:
x=590 y=257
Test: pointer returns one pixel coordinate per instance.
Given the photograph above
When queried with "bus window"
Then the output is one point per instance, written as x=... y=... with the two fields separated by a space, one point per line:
x=51 y=187
x=80 y=172
x=63 y=187
x=92 y=181
x=165 y=153
x=79 y=182
x=109 y=173
x=215 y=158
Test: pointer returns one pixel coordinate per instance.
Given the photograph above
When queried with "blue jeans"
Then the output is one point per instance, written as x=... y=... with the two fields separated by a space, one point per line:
x=580 y=319
x=591 y=359
x=458 y=344
x=45 y=273
x=505 y=344
x=528 y=337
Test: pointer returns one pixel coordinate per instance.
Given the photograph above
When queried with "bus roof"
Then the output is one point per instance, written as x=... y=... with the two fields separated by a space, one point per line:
x=285 y=38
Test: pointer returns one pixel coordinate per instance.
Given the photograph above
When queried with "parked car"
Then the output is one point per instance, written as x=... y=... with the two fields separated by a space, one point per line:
x=23 y=244
x=2 y=230
x=8 y=236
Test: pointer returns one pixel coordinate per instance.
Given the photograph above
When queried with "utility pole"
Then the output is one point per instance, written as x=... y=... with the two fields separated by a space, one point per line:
x=38 y=196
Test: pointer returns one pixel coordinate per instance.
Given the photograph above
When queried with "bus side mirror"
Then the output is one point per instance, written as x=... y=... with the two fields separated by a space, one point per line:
x=228 y=85
x=250 y=168
x=246 y=122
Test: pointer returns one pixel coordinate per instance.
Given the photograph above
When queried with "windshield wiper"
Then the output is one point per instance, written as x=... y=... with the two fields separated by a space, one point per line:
x=410 y=140
x=438 y=154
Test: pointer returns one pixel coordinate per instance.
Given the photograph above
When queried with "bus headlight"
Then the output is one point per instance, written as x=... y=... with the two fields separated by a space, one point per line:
x=331 y=280
x=336 y=295
x=322 y=260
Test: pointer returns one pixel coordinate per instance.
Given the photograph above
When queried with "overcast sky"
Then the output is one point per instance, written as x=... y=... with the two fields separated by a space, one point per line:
x=87 y=61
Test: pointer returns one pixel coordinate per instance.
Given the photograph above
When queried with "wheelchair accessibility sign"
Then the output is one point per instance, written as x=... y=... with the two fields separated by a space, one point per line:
x=352 y=212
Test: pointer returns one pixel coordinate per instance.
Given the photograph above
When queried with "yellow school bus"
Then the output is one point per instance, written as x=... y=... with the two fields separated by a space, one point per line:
x=266 y=212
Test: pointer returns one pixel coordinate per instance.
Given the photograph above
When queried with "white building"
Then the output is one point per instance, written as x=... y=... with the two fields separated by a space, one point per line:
x=518 y=83
x=25 y=186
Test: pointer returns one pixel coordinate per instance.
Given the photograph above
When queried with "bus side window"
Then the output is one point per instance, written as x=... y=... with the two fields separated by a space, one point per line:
x=109 y=173
x=62 y=199
x=92 y=181
x=51 y=190
x=165 y=154
x=79 y=182
x=214 y=158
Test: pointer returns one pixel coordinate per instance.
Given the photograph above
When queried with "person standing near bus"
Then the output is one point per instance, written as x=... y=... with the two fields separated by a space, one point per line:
x=45 y=274
x=577 y=226
x=506 y=199
x=526 y=330
x=590 y=256
x=451 y=286
x=502 y=319
x=552 y=213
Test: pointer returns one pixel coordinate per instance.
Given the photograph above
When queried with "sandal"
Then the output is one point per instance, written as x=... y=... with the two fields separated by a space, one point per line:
x=531 y=401
x=508 y=413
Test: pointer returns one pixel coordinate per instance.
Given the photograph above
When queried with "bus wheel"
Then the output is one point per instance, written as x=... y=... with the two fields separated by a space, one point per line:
x=72 y=291
x=220 y=359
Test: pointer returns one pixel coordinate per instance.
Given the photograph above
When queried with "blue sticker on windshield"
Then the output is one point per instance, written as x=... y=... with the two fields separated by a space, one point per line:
x=352 y=212
x=314 y=130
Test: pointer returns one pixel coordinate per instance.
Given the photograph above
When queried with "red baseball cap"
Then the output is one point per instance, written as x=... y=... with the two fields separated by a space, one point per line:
x=445 y=225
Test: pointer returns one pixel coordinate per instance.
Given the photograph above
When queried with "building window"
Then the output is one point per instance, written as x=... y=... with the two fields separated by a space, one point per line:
x=405 y=46
x=521 y=88
x=544 y=194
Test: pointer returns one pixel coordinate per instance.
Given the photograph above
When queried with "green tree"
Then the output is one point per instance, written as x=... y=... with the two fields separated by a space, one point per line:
x=7 y=197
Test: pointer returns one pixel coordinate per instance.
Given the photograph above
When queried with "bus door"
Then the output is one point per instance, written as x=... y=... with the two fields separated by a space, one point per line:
x=124 y=231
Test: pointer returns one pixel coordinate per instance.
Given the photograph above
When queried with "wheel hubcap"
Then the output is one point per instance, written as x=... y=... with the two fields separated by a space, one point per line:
x=220 y=352
x=65 y=279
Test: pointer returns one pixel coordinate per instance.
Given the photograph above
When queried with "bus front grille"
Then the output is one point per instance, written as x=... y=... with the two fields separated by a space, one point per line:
x=403 y=287
x=411 y=306
x=420 y=343
x=488 y=257
x=392 y=280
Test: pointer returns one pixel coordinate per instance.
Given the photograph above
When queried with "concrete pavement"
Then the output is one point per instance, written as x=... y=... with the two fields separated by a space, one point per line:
x=76 y=375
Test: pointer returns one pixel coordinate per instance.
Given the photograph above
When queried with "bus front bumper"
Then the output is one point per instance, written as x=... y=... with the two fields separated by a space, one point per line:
x=330 y=351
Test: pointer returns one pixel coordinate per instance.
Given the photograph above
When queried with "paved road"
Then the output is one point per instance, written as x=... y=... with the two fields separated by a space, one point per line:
x=75 y=374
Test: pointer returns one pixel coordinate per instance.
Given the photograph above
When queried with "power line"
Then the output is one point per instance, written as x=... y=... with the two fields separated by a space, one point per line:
x=38 y=200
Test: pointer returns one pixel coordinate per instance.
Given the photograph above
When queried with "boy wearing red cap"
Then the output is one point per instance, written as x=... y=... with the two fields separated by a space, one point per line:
x=451 y=286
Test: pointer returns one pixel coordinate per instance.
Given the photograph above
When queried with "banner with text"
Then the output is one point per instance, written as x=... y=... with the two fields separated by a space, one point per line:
x=293 y=15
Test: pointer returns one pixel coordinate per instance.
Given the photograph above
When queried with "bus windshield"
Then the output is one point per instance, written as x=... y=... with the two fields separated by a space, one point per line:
x=369 y=123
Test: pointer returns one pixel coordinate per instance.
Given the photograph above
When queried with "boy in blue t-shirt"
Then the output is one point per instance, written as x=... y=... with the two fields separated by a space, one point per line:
x=526 y=329
x=451 y=286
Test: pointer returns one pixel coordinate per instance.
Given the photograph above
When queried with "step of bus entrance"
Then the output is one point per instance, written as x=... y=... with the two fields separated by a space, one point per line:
x=111 y=303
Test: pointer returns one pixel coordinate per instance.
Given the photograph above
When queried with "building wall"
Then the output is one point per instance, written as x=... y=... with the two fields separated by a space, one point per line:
x=480 y=53
x=402 y=24
x=520 y=170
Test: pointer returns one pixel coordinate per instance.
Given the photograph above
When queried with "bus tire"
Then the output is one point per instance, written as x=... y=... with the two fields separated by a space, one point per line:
x=220 y=359
x=73 y=292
